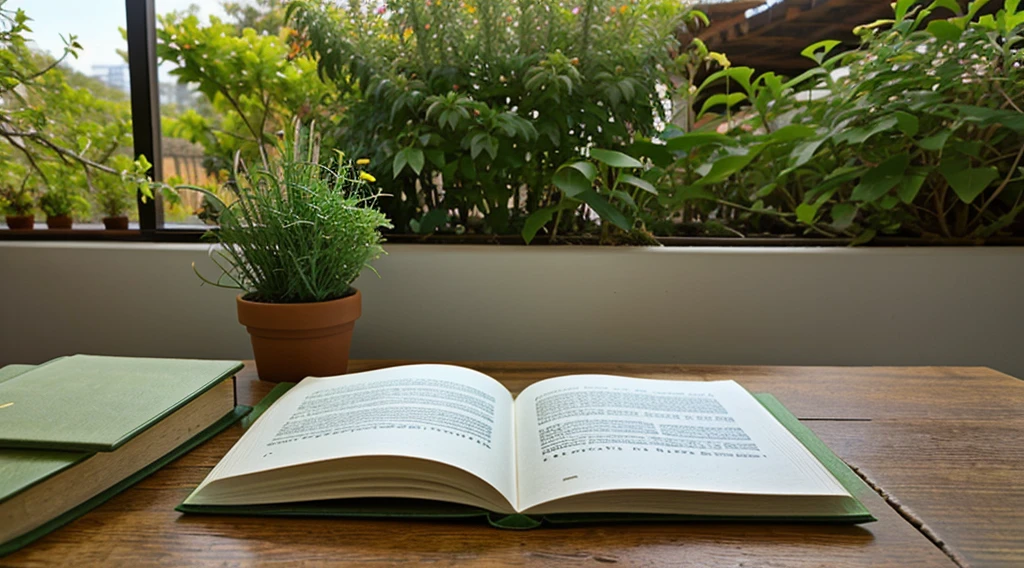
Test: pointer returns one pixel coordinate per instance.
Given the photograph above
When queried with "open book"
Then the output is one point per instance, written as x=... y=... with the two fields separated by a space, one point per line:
x=572 y=444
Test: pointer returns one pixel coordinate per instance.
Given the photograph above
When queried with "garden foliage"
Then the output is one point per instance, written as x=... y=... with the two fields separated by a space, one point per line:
x=561 y=118
x=920 y=132
x=471 y=107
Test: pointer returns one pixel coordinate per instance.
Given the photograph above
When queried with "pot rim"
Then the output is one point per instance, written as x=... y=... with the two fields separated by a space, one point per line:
x=241 y=299
x=308 y=315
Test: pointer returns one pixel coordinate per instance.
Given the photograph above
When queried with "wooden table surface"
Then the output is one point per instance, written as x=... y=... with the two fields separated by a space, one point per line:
x=943 y=447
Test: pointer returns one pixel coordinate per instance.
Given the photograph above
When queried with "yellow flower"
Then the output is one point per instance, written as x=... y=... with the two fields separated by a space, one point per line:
x=362 y=161
x=367 y=177
x=471 y=9
x=720 y=58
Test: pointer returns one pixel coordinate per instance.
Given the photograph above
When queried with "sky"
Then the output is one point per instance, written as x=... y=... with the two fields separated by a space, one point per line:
x=96 y=24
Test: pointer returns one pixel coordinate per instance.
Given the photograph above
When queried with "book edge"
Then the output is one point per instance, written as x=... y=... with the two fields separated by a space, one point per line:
x=21 y=541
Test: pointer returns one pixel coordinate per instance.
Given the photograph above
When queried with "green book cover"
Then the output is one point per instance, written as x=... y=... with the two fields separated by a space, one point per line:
x=95 y=403
x=11 y=371
x=421 y=509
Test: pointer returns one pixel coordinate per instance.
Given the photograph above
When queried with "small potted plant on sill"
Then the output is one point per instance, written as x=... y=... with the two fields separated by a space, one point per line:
x=115 y=196
x=60 y=206
x=18 y=207
x=293 y=240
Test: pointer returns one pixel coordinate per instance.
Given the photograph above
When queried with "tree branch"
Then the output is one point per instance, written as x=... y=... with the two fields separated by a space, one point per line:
x=63 y=152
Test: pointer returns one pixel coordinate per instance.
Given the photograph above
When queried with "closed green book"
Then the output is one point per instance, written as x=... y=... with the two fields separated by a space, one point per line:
x=77 y=430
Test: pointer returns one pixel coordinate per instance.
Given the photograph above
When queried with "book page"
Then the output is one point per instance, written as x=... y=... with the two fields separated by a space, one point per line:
x=441 y=413
x=589 y=433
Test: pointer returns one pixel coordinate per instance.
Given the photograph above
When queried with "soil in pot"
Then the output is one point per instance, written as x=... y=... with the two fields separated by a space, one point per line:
x=20 y=222
x=293 y=341
x=59 y=222
x=119 y=223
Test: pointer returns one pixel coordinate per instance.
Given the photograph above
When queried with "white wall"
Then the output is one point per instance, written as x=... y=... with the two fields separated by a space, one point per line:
x=807 y=306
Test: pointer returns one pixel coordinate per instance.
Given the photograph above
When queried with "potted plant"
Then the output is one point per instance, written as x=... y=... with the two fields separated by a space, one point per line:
x=296 y=236
x=60 y=205
x=18 y=206
x=115 y=196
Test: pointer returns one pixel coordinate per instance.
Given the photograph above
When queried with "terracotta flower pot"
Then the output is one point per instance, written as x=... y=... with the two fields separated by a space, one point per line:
x=59 y=222
x=294 y=341
x=119 y=223
x=20 y=222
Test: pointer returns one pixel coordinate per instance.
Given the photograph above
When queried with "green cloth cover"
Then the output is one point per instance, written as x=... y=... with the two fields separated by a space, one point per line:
x=93 y=403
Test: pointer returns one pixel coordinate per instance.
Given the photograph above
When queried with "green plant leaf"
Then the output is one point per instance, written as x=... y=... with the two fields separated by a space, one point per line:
x=721 y=99
x=726 y=166
x=766 y=190
x=989 y=116
x=398 y=164
x=907 y=123
x=575 y=178
x=536 y=221
x=476 y=144
x=415 y=158
x=804 y=77
x=681 y=195
x=969 y=183
x=806 y=212
x=880 y=179
x=692 y=140
x=860 y=135
x=637 y=182
x=614 y=159
x=951 y=5
x=624 y=197
x=605 y=210
x=491 y=144
x=842 y=216
x=817 y=51
x=657 y=153
x=809 y=211
x=910 y=185
x=935 y=142
x=804 y=151
x=791 y=132
x=865 y=237
x=431 y=220
x=435 y=157
x=901 y=8
x=945 y=30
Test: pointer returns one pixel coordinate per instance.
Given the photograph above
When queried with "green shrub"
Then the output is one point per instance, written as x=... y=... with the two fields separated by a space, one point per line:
x=920 y=132
x=468 y=109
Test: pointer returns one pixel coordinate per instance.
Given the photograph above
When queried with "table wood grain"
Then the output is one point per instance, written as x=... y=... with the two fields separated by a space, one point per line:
x=943 y=446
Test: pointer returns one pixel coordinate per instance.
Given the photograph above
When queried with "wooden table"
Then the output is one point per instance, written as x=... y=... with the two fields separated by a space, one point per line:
x=943 y=447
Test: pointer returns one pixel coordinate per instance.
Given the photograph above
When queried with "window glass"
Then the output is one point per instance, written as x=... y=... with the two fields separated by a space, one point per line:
x=209 y=110
x=66 y=127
